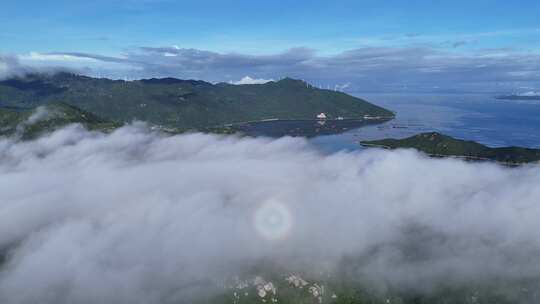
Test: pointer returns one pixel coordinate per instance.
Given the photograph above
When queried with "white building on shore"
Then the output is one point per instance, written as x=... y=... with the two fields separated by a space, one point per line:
x=321 y=116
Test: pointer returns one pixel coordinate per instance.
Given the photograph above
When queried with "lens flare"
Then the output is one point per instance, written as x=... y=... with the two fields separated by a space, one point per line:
x=273 y=220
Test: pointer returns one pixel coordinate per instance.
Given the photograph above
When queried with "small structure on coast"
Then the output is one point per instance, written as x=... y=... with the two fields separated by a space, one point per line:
x=369 y=117
x=321 y=116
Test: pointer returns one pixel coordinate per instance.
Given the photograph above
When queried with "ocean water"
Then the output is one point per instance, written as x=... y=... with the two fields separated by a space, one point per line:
x=477 y=117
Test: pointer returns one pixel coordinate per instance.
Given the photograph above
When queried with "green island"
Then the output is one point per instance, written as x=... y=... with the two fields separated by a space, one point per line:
x=175 y=105
x=439 y=145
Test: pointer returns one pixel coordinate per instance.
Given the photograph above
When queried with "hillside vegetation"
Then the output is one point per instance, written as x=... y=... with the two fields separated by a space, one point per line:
x=30 y=123
x=184 y=104
x=437 y=144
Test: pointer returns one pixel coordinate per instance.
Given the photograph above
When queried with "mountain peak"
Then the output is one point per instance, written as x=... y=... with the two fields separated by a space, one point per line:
x=291 y=81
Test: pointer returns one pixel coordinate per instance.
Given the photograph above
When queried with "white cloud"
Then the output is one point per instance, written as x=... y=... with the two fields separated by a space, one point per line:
x=383 y=69
x=35 y=56
x=39 y=114
x=9 y=67
x=341 y=87
x=249 y=80
x=136 y=217
x=530 y=94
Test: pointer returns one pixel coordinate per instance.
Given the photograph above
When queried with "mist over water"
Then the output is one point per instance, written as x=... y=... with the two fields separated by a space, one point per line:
x=139 y=217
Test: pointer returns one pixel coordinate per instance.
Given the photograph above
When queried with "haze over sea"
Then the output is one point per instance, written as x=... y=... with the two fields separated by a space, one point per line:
x=477 y=117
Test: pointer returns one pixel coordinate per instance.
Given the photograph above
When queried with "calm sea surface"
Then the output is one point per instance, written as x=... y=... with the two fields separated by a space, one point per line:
x=480 y=118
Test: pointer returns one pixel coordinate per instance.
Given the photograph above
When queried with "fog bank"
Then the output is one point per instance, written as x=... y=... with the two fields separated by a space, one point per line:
x=138 y=217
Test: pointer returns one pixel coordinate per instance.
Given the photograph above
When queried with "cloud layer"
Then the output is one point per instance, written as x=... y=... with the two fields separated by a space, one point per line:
x=10 y=67
x=249 y=80
x=367 y=69
x=136 y=217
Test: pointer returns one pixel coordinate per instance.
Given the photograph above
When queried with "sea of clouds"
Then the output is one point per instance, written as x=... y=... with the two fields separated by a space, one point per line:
x=139 y=217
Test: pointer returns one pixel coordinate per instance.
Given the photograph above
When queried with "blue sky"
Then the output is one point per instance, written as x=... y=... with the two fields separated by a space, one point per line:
x=120 y=28
x=108 y=27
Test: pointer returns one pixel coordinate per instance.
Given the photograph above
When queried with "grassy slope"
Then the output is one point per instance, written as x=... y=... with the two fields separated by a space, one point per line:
x=9 y=119
x=184 y=103
x=438 y=144
x=31 y=123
